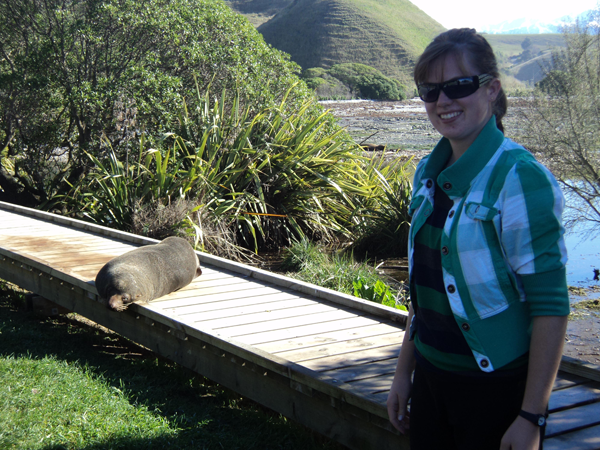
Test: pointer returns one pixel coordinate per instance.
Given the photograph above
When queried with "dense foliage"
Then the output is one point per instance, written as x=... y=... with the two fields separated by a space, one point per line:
x=76 y=74
x=272 y=178
x=351 y=80
x=563 y=120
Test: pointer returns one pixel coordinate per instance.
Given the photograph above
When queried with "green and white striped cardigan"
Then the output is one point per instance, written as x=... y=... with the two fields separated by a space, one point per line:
x=503 y=252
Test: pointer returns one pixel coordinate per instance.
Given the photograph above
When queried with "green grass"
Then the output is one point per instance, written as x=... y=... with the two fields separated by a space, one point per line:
x=339 y=271
x=67 y=385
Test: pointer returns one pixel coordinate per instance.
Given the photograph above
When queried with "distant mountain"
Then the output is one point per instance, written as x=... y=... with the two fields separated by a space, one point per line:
x=533 y=26
x=385 y=34
x=523 y=26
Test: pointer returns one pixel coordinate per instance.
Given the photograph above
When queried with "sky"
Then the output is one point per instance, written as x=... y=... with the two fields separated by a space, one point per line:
x=457 y=14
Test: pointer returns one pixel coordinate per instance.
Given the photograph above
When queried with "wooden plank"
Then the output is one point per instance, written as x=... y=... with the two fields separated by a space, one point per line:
x=219 y=302
x=353 y=358
x=260 y=318
x=248 y=313
x=181 y=299
x=573 y=419
x=311 y=319
x=564 y=380
x=586 y=439
x=579 y=367
x=381 y=383
x=175 y=304
x=373 y=330
x=362 y=371
x=339 y=348
x=576 y=395
x=300 y=331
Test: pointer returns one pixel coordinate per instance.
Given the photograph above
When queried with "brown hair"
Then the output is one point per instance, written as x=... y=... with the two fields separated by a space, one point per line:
x=464 y=43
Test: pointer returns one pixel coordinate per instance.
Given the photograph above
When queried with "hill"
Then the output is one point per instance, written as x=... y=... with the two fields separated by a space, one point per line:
x=258 y=11
x=520 y=55
x=385 y=34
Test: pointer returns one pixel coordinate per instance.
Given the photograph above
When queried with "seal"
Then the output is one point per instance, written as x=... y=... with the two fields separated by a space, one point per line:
x=147 y=273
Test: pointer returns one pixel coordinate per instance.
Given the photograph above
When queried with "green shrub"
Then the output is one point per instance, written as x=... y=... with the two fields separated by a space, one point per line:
x=278 y=175
x=78 y=73
x=358 y=80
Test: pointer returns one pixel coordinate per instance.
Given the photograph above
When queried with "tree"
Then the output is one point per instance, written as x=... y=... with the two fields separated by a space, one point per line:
x=81 y=76
x=526 y=43
x=563 y=120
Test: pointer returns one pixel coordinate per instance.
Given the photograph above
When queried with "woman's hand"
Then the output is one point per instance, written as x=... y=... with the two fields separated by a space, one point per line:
x=397 y=403
x=402 y=385
x=521 y=435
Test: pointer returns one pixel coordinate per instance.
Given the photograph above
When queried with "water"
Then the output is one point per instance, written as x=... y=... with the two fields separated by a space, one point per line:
x=584 y=257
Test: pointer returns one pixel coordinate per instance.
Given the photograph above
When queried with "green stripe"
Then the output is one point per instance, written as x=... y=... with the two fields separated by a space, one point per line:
x=539 y=203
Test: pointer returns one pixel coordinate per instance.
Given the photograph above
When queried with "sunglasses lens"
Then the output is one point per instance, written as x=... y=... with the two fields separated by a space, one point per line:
x=429 y=92
x=460 y=88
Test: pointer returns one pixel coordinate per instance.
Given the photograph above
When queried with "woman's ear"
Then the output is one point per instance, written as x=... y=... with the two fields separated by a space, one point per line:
x=493 y=88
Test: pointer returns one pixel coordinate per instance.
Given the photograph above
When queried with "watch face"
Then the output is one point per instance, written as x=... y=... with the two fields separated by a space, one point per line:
x=541 y=421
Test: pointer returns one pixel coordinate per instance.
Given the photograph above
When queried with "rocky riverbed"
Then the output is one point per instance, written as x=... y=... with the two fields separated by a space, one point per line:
x=401 y=126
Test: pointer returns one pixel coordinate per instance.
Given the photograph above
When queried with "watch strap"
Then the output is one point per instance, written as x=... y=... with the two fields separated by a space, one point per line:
x=538 y=420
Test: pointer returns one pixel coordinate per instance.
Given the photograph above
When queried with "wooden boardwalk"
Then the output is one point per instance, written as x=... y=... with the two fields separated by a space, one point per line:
x=322 y=358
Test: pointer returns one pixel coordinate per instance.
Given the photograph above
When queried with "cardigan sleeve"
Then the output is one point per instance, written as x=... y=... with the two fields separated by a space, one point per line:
x=533 y=236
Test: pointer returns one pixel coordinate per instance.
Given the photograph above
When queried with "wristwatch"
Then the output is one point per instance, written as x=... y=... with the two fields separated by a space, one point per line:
x=536 y=419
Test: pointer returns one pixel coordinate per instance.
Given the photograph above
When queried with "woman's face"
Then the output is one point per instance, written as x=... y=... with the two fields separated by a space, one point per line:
x=460 y=120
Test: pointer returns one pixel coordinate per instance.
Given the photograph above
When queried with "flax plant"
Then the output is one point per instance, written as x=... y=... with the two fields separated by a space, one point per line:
x=381 y=219
x=112 y=192
x=278 y=175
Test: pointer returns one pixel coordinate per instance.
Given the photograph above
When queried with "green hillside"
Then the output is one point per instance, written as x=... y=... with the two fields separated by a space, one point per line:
x=385 y=34
x=524 y=63
x=258 y=11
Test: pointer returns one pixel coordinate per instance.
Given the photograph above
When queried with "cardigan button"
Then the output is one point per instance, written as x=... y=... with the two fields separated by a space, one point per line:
x=451 y=288
x=429 y=184
x=465 y=326
x=484 y=363
x=451 y=214
x=445 y=250
x=447 y=186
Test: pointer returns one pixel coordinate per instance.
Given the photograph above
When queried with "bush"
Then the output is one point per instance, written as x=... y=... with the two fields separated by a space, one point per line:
x=74 y=74
x=271 y=179
x=357 y=79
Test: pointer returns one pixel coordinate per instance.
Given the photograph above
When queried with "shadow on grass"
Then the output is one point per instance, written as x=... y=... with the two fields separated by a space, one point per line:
x=204 y=414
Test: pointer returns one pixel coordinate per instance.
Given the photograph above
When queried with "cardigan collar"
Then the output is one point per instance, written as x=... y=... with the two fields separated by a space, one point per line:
x=456 y=179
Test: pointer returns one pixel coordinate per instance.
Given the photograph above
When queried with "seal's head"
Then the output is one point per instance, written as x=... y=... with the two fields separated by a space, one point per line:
x=119 y=302
x=123 y=290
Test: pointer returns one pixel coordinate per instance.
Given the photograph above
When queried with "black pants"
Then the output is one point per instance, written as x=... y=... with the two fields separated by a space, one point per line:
x=463 y=413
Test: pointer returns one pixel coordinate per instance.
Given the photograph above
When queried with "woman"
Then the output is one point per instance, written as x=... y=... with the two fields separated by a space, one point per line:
x=487 y=268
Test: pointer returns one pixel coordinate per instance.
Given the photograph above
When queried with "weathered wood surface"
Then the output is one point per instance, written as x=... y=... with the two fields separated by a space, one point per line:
x=320 y=357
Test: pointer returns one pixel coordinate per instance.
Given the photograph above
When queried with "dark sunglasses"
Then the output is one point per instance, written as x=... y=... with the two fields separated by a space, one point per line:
x=455 y=88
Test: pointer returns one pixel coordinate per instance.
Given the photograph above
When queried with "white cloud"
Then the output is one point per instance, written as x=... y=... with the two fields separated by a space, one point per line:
x=454 y=14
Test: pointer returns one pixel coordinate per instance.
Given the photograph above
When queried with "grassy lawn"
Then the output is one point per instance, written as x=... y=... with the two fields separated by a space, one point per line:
x=65 y=384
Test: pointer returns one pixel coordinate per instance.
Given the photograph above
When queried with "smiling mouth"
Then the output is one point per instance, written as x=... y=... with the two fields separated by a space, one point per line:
x=450 y=115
